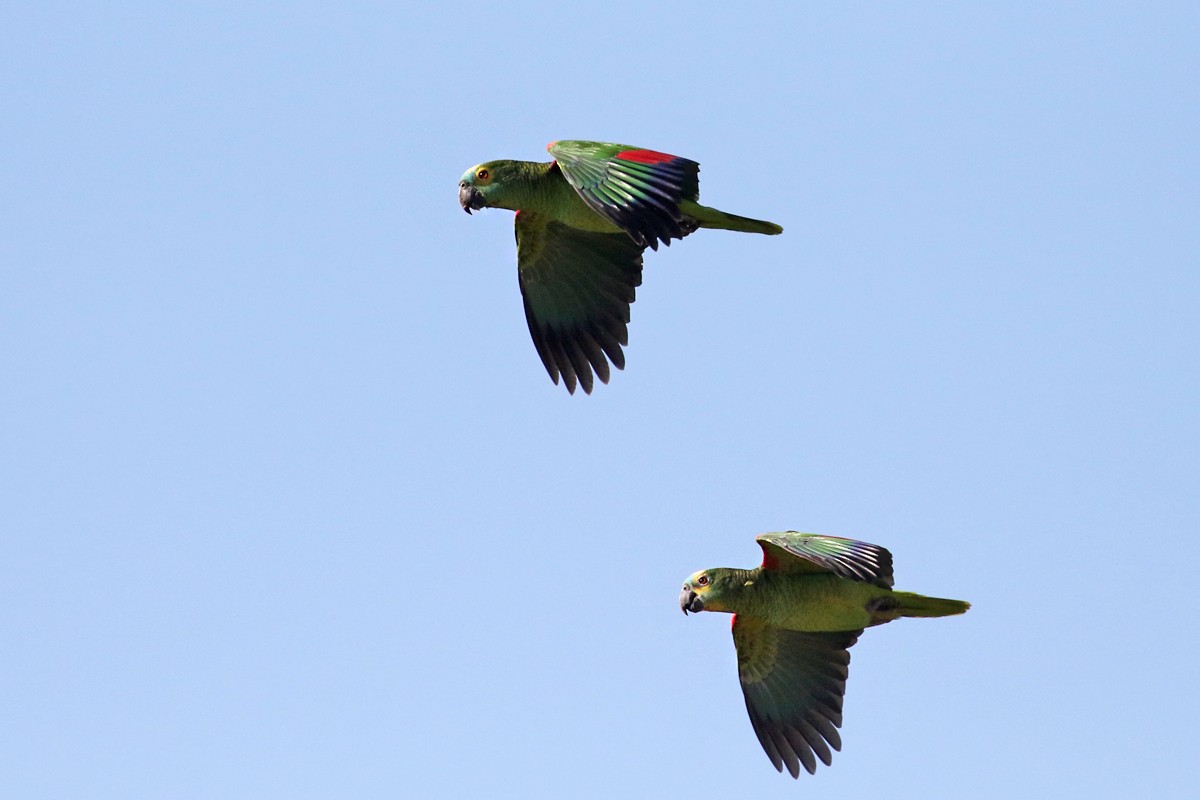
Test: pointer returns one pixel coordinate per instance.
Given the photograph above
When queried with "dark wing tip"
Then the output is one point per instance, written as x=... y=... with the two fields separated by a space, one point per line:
x=579 y=356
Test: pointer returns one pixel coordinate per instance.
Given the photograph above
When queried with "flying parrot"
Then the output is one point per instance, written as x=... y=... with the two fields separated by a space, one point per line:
x=583 y=221
x=795 y=618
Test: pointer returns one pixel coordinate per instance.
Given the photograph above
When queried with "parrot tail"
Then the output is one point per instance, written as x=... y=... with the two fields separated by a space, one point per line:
x=707 y=217
x=918 y=605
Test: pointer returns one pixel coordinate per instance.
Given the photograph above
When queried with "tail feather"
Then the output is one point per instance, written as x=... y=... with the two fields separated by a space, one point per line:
x=918 y=605
x=712 y=218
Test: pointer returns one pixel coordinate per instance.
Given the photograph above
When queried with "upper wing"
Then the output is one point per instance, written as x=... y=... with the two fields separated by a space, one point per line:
x=638 y=190
x=794 y=683
x=577 y=287
x=810 y=552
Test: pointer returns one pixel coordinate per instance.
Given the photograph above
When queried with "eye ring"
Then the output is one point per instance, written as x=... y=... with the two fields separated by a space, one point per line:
x=482 y=174
x=702 y=580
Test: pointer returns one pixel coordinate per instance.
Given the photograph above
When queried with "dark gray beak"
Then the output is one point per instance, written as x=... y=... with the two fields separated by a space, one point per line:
x=469 y=197
x=690 y=601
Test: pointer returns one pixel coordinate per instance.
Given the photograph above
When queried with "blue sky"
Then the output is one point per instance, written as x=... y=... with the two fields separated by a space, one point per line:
x=292 y=509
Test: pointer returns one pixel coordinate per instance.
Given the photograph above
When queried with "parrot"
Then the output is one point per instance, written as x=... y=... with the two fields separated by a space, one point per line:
x=583 y=221
x=795 y=618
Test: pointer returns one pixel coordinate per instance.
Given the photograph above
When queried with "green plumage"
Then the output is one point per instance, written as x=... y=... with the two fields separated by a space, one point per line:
x=797 y=615
x=583 y=221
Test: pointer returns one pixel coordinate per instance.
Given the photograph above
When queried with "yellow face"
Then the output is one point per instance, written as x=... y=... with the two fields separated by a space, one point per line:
x=480 y=175
x=701 y=583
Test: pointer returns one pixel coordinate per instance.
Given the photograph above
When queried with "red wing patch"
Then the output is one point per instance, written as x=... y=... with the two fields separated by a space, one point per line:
x=770 y=562
x=645 y=156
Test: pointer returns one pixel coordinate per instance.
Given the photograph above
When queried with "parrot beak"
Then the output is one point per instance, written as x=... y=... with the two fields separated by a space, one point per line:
x=690 y=601
x=469 y=197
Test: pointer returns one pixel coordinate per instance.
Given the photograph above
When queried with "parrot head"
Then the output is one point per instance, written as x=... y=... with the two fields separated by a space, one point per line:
x=482 y=186
x=703 y=592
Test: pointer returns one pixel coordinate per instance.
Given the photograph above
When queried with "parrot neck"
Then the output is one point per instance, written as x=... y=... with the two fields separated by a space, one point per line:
x=737 y=590
x=540 y=188
x=531 y=186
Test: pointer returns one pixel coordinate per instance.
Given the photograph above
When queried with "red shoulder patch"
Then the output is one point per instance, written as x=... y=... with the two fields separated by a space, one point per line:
x=552 y=144
x=769 y=560
x=645 y=156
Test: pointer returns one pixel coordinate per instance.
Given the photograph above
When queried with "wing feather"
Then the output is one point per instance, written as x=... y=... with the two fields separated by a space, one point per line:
x=793 y=684
x=810 y=552
x=577 y=287
x=639 y=190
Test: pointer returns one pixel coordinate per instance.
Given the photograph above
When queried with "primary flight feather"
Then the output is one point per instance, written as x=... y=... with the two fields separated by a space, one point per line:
x=583 y=221
x=796 y=617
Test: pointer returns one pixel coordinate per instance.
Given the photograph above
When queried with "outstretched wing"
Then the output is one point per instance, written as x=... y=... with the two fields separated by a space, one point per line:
x=810 y=552
x=577 y=287
x=794 y=683
x=638 y=190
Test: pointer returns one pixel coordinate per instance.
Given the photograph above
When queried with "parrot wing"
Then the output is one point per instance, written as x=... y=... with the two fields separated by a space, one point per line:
x=793 y=683
x=577 y=287
x=810 y=552
x=638 y=190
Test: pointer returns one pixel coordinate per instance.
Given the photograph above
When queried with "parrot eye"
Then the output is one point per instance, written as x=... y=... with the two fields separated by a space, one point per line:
x=482 y=174
x=702 y=580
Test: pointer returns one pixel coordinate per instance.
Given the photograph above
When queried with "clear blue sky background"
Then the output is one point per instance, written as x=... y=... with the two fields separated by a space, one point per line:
x=291 y=509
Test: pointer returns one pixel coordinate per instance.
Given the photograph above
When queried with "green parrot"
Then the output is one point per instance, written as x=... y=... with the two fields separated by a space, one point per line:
x=795 y=618
x=582 y=223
